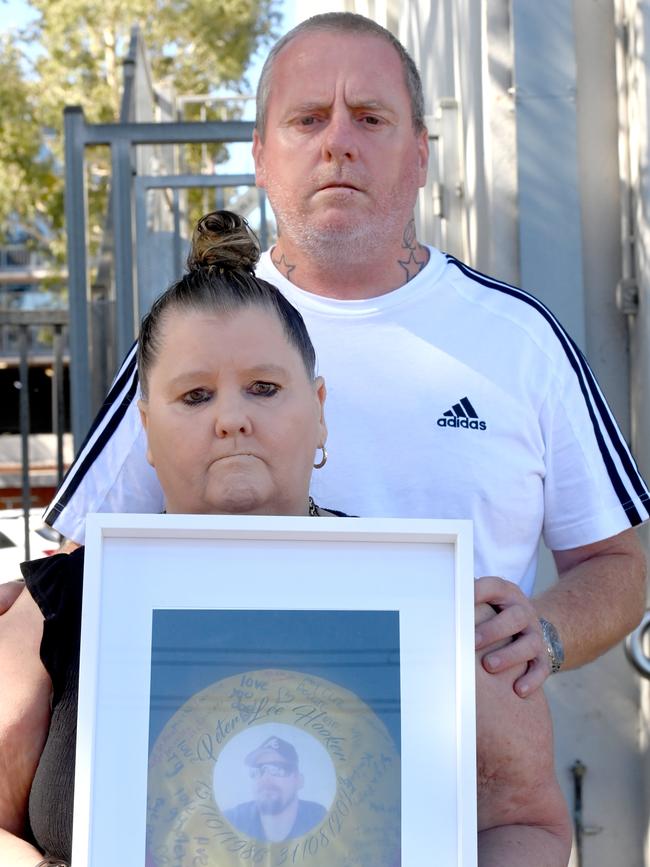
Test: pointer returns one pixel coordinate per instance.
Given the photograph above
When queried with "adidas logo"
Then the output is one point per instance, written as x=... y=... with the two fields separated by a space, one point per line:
x=462 y=414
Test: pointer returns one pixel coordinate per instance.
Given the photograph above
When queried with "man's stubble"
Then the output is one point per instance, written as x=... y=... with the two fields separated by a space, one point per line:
x=344 y=239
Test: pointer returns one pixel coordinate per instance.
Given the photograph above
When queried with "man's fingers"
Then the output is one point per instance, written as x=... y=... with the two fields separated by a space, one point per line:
x=508 y=623
x=512 y=637
x=534 y=678
x=526 y=649
x=497 y=591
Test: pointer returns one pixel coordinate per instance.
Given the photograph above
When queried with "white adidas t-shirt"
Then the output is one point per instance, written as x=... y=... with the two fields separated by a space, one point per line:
x=454 y=396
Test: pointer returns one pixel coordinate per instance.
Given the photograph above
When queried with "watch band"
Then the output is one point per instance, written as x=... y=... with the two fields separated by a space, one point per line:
x=554 y=646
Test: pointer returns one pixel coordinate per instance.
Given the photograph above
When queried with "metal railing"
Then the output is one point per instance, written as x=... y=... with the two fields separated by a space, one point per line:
x=23 y=323
x=636 y=646
x=123 y=140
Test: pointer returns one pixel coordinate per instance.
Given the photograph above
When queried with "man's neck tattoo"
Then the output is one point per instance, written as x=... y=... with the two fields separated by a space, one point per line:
x=282 y=265
x=415 y=255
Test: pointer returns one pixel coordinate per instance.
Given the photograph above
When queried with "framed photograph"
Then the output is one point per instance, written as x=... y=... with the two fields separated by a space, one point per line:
x=276 y=691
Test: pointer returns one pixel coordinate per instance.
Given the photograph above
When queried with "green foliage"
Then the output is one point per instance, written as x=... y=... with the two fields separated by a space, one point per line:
x=72 y=55
x=28 y=182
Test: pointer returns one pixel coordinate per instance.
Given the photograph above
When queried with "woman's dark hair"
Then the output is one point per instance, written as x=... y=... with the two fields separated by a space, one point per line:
x=220 y=278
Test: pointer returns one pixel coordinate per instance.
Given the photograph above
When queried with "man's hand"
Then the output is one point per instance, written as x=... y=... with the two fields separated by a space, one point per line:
x=9 y=592
x=513 y=636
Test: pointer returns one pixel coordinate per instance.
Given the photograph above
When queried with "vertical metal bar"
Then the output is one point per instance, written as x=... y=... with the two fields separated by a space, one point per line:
x=204 y=160
x=178 y=249
x=123 y=235
x=264 y=231
x=58 y=408
x=23 y=344
x=578 y=771
x=75 y=218
x=141 y=236
x=548 y=181
x=127 y=108
x=455 y=235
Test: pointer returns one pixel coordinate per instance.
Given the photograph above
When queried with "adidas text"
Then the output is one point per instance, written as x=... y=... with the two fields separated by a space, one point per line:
x=472 y=424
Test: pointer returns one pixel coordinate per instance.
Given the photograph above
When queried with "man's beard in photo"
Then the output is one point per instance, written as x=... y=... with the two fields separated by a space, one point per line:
x=271 y=801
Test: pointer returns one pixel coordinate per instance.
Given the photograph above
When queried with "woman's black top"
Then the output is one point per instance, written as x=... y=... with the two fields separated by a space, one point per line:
x=56 y=585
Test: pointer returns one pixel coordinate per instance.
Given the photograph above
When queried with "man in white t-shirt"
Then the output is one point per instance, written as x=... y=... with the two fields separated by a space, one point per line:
x=450 y=394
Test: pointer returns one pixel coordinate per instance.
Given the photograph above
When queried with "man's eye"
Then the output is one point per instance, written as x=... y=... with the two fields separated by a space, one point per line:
x=196 y=396
x=371 y=120
x=308 y=120
x=264 y=389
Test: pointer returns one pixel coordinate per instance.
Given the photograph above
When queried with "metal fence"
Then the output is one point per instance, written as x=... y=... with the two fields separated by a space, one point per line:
x=127 y=188
x=39 y=338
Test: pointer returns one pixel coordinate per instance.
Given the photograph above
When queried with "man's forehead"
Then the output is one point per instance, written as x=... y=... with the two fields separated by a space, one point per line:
x=365 y=63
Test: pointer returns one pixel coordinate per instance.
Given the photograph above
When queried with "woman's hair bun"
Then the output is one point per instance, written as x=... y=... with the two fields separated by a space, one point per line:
x=223 y=240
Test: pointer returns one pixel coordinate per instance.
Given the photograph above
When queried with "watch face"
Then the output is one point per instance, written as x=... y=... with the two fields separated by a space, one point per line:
x=274 y=767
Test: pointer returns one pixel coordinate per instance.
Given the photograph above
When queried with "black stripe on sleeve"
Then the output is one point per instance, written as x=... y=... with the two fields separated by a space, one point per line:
x=80 y=466
x=123 y=375
x=590 y=392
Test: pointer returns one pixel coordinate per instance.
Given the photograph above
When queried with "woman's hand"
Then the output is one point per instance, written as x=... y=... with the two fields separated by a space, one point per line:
x=9 y=592
x=513 y=635
x=15 y=852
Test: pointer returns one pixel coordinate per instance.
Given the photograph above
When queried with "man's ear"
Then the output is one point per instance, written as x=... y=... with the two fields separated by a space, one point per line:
x=258 y=157
x=143 y=409
x=423 y=156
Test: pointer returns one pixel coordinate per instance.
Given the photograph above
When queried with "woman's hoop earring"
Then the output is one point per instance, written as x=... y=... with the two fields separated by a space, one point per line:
x=323 y=460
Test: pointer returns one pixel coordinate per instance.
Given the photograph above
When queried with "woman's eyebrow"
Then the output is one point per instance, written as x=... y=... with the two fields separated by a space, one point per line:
x=269 y=369
x=261 y=369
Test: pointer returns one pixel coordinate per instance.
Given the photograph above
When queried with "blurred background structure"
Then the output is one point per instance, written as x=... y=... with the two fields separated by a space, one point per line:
x=539 y=119
x=77 y=273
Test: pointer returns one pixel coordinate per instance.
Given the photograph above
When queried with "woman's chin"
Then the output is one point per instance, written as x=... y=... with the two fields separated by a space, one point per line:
x=240 y=501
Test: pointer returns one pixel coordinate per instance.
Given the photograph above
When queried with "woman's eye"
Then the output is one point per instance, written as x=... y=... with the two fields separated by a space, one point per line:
x=264 y=389
x=196 y=396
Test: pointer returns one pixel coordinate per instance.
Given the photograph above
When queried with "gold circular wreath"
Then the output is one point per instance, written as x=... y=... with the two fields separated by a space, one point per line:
x=186 y=827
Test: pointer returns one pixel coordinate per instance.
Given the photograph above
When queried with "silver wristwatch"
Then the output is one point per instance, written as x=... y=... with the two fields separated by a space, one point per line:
x=553 y=643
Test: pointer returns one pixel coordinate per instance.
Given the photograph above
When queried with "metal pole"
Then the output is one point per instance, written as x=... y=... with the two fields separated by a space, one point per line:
x=264 y=230
x=178 y=247
x=187 y=132
x=123 y=239
x=75 y=218
x=58 y=408
x=578 y=771
x=550 y=217
x=23 y=343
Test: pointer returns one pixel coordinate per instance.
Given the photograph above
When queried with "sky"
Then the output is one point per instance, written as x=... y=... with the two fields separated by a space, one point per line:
x=13 y=13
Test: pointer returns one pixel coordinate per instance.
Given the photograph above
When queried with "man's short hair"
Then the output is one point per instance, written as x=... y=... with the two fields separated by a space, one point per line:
x=342 y=22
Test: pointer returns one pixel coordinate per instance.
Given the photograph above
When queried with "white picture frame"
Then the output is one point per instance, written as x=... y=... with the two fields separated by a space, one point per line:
x=142 y=570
